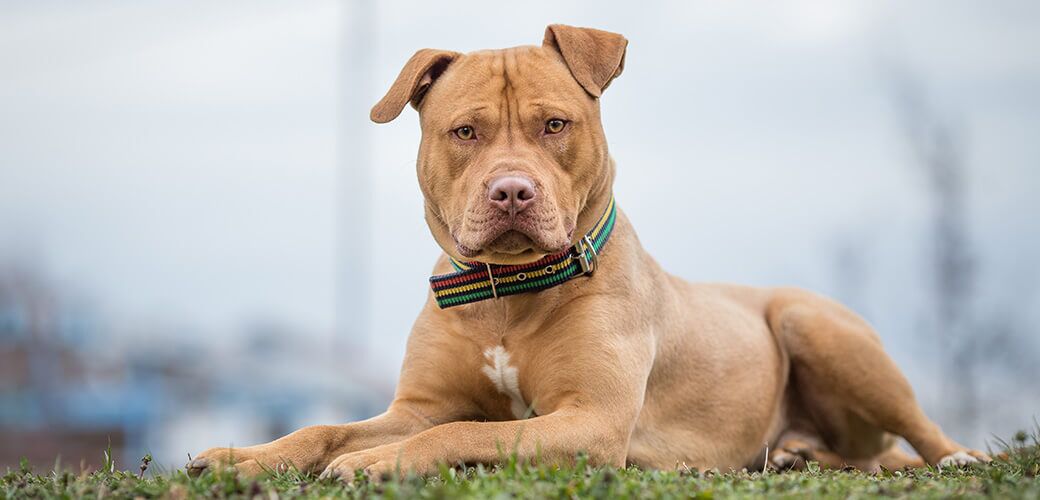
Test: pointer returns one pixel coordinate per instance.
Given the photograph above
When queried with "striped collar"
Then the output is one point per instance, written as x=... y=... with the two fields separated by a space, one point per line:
x=476 y=281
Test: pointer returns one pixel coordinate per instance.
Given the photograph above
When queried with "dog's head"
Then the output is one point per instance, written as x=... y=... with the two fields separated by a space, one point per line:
x=512 y=147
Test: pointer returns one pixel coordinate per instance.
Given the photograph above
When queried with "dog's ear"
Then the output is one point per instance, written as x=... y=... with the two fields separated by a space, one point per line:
x=594 y=57
x=411 y=85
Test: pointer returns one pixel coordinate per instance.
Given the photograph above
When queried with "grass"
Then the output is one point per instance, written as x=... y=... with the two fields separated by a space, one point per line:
x=1013 y=474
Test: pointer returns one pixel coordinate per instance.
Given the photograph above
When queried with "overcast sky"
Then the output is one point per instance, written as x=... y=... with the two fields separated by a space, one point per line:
x=176 y=162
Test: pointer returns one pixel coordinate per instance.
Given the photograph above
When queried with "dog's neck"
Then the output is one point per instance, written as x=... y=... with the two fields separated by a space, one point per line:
x=518 y=316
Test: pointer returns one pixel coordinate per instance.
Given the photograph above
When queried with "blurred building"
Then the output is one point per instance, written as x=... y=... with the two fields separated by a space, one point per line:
x=70 y=387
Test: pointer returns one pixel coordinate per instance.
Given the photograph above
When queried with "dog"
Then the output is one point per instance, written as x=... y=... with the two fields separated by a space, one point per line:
x=549 y=332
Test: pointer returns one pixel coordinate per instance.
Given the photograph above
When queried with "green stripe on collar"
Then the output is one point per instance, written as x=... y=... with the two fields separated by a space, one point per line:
x=476 y=281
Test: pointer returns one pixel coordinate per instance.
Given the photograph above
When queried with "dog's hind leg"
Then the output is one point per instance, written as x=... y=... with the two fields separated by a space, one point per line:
x=794 y=453
x=851 y=389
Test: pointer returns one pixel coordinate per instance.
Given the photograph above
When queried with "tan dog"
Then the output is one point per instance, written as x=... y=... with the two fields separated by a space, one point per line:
x=629 y=364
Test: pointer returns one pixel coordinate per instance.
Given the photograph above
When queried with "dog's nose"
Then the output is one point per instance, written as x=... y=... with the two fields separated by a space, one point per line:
x=511 y=193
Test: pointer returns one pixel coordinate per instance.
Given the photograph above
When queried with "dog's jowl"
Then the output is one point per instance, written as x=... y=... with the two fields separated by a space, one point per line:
x=549 y=331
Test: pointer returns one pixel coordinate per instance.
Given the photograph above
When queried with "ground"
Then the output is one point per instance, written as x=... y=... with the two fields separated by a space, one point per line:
x=1013 y=474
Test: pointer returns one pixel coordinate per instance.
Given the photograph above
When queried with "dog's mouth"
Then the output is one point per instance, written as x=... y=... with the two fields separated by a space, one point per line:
x=485 y=233
x=509 y=242
x=513 y=242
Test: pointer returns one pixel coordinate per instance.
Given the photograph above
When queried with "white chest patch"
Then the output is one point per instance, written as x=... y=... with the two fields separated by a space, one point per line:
x=505 y=378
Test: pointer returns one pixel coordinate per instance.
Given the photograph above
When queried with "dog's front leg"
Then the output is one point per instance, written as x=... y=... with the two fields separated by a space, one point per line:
x=590 y=407
x=554 y=438
x=312 y=448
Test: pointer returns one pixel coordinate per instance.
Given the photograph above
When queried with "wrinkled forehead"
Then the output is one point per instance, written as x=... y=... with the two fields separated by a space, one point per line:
x=493 y=78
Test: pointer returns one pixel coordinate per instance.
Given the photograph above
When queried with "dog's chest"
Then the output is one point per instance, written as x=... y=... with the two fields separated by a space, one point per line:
x=505 y=376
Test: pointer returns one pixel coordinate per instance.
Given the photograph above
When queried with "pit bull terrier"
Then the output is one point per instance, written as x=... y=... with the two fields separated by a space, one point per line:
x=550 y=332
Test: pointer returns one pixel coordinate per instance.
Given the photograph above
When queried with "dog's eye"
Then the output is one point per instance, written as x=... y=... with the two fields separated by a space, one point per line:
x=555 y=126
x=465 y=133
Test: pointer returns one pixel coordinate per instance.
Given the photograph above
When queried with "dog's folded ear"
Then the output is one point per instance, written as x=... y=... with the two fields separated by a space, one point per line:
x=594 y=57
x=411 y=85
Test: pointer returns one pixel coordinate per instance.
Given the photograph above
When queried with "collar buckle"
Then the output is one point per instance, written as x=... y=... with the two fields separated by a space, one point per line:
x=584 y=249
x=493 y=280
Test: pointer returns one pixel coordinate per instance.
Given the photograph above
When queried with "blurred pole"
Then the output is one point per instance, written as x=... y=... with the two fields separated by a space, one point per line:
x=354 y=190
x=959 y=344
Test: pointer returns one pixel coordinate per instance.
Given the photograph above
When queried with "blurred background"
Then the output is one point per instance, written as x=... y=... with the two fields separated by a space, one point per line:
x=194 y=206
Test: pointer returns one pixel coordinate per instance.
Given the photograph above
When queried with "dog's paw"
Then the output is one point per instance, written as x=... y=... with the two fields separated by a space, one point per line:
x=214 y=458
x=797 y=447
x=963 y=458
x=791 y=454
x=377 y=463
x=245 y=461
x=782 y=460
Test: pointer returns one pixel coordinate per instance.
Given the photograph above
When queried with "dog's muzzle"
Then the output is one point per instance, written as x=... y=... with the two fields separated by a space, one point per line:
x=477 y=281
